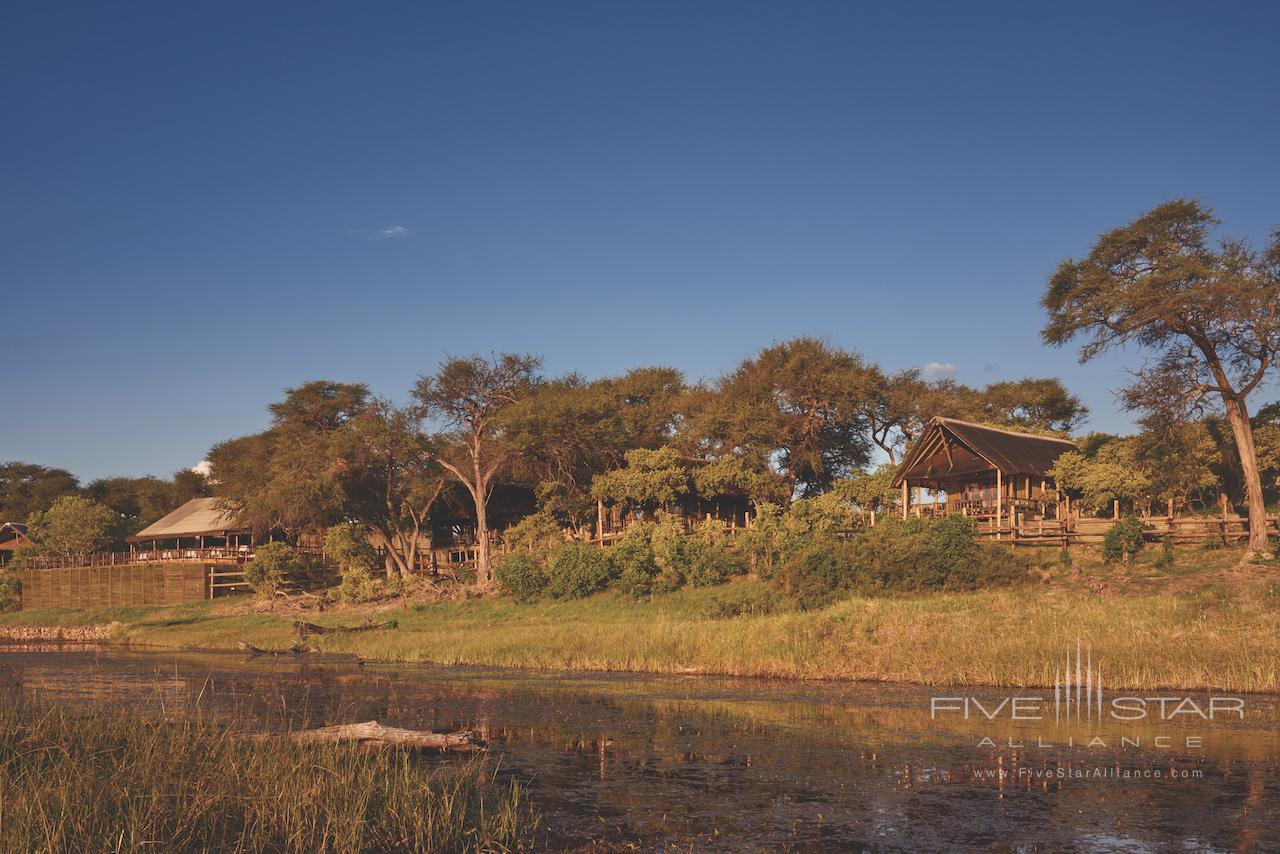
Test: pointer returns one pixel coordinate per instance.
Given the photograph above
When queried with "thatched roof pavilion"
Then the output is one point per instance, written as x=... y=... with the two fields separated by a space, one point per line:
x=980 y=470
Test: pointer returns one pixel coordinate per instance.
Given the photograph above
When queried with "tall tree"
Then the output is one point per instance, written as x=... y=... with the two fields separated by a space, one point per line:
x=471 y=396
x=26 y=488
x=73 y=525
x=1209 y=313
x=570 y=430
x=291 y=476
x=798 y=408
x=392 y=480
x=142 y=500
x=1038 y=403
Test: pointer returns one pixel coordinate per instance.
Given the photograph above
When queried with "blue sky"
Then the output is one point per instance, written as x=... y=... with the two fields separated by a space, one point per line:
x=205 y=203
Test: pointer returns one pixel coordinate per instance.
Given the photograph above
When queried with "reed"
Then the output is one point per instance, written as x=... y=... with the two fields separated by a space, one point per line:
x=96 y=779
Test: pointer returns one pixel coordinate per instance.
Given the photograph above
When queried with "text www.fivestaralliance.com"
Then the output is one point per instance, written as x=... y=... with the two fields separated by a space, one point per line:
x=1095 y=773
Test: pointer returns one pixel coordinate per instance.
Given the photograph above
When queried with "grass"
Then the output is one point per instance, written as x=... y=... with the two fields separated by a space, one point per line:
x=1211 y=627
x=103 y=780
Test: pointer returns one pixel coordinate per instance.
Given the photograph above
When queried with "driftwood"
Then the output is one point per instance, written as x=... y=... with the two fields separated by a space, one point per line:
x=302 y=628
x=374 y=733
x=296 y=649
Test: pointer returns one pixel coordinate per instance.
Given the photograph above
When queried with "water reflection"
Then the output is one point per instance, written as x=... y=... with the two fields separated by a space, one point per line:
x=731 y=764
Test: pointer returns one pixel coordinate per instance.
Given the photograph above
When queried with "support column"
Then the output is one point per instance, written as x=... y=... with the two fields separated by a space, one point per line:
x=999 y=502
x=906 y=499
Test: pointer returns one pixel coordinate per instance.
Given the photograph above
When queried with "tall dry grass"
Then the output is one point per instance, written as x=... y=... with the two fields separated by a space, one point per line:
x=104 y=780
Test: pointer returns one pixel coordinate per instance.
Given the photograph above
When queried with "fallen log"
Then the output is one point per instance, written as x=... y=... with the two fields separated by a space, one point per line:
x=296 y=649
x=374 y=733
x=303 y=628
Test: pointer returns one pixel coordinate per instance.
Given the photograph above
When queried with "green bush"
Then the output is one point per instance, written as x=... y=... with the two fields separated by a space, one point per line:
x=348 y=547
x=520 y=575
x=538 y=533
x=900 y=555
x=1166 y=560
x=818 y=576
x=356 y=585
x=708 y=564
x=10 y=590
x=760 y=543
x=271 y=566
x=634 y=564
x=1123 y=540
x=577 y=570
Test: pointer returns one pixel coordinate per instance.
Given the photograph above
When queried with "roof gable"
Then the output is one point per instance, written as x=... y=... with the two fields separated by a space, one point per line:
x=197 y=516
x=970 y=448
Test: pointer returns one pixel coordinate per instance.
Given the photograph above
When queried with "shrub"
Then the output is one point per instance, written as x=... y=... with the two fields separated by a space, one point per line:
x=577 y=570
x=633 y=560
x=817 y=576
x=10 y=590
x=520 y=575
x=1123 y=540
x=348 y=547
x=356 y=585
x=900 y=555
x=270 y=568
x=760 y=544
x=537 y=533
x=708 y=564
x=1165 y=561
x=667 y=540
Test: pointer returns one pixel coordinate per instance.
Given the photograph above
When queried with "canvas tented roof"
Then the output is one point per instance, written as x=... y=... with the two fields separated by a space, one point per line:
x=950 y=449
x=198 y=516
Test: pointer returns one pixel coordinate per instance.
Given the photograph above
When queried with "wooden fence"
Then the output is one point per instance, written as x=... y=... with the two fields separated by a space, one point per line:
x=109 y=586
x=149 y=583
x=1181 y=529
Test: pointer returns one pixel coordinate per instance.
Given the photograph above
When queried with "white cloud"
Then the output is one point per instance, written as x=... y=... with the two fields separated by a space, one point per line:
x=391 y=232
x=934 y=370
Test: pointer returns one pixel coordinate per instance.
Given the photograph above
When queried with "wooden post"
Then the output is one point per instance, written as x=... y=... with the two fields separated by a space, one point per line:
x=999 y=501
x=600 y=520
x=1115 y=508
x=906 y=499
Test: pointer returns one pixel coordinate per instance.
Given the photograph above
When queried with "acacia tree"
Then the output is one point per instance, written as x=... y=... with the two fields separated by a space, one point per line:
x=26 y=488
x=1208 y=312
x=798 y=408
x=570 y=430
x=292 y=475
x=393 y=479
x=471 y=396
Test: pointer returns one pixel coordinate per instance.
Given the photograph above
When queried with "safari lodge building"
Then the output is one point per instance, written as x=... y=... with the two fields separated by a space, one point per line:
x=999 y=477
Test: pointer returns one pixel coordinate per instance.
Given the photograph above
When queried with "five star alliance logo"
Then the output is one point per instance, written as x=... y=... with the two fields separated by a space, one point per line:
x=1077 y=690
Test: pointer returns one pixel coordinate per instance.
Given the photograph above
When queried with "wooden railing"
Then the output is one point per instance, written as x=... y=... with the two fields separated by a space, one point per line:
x=211 y=555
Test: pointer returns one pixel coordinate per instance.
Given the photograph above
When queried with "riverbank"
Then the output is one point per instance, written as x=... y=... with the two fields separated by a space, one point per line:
x=1213 y=627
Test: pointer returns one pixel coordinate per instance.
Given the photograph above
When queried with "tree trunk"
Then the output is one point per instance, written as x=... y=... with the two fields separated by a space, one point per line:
x=483 y=573
x=1238 y=415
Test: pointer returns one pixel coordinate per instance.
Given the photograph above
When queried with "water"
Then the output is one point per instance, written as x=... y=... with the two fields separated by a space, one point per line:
x=681 y=763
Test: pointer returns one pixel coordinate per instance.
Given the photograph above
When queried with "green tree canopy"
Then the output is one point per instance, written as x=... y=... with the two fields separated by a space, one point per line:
x=27 y=487
x=471 y=397
x=73 y=526
x=798 y=408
